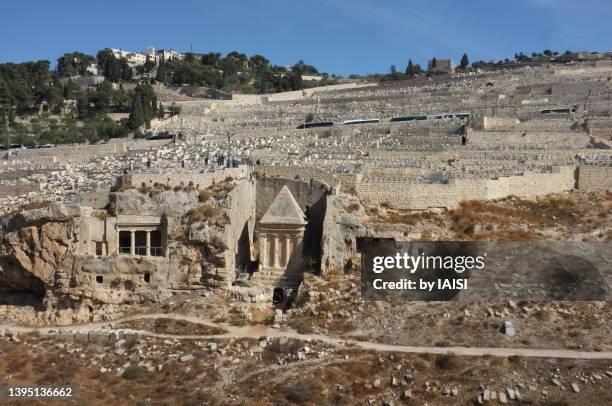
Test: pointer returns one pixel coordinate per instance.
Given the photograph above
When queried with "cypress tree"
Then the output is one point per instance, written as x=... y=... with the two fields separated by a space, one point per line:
x=464 y=61
x=161 y=72
x=136 y=118
x=410 y=68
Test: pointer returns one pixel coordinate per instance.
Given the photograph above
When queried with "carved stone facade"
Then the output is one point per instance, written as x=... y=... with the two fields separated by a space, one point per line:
x=281 y=232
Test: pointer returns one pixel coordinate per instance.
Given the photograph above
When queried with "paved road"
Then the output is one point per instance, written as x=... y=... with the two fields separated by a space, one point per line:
x=268 y=331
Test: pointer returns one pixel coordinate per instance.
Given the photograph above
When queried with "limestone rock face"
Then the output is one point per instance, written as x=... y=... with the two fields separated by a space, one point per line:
x=34 y=245
x=174 y=203
x=208 y=238
x=131 y=202
x=40 y=256
x=157 y=203
x=53 y=212
x=64 y=259
x=342 y=225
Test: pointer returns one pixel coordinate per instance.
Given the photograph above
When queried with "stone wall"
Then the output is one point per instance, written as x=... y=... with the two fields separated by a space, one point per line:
x=81 y=152
x=605 y=133
x=498 y=138
x=421 y=196
x=409 y=193
x=306 y=173
x=7 y=190
x=487 y=123
x=592 y=177
x=183 y=178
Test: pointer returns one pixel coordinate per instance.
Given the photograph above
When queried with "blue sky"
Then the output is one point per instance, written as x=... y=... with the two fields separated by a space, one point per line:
x=337 y=36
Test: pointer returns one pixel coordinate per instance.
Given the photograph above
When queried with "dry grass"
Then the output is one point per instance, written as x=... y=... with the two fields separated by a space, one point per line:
x=170 y=326
x=548 y=210
x=340 y=377
x=203 y=212
x=302 y=325
x=351 y=208
x=512 y=218
x=350 y=191
x=409 y=217
x=100 y=214
x=124 y=187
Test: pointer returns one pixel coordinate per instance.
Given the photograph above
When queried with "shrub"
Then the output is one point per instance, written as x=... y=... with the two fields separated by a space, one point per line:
x=133 y=373
x=203 y=212
x=204 y=195
x=557 y=401
x=303 y=391
x=237 y=321
x=303 y=326
x=543 y=314
x=448 y=362
x=308 y=265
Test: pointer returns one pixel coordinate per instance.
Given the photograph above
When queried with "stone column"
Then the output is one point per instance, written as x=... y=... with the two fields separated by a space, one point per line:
x=132 y=242
x=290 y=247
x=148 y=253
x=298 y=249
x=263 y=250
x=283 y=251
x=275 y=252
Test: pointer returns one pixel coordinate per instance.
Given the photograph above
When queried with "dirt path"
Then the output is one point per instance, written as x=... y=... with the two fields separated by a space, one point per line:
x=262 y=330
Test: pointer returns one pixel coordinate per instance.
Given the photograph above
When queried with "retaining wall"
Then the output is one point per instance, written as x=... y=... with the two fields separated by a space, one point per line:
x=306 y=173
x=16 y=190
x=592 y=177
x=202 y=180
x=420 y=196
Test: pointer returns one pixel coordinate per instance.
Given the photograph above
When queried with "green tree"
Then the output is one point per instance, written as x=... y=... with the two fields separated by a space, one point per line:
x=160 y=76
x=103 y=97
x=4 y=131
x=393 y=73
x=11 y=116
x=136 y=117
x=465 y=62
x=125 y=70
x=73 y=64
x=144 y=107
x=410 y=68
x=211 y=58
x=148 y=65
x=113 y=69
